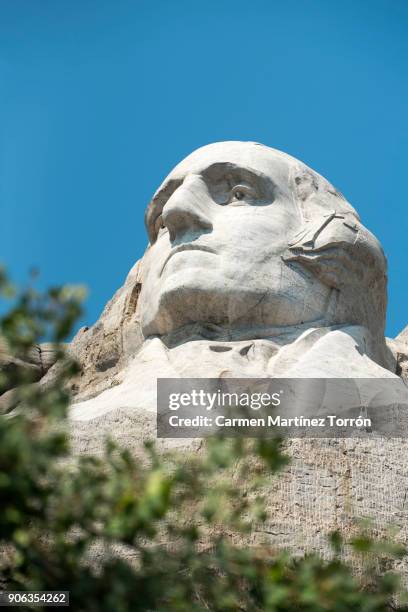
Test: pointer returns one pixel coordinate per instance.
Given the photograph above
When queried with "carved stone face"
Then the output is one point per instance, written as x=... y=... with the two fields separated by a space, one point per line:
x=218 y=227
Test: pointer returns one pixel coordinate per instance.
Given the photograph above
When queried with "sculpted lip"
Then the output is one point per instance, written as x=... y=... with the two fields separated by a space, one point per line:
x=186 y=247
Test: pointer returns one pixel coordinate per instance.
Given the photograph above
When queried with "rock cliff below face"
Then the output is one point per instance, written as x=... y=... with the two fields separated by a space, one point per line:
x=104 y=349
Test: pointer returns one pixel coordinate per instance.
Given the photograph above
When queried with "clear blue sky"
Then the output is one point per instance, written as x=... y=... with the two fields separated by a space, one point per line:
x=100 y=99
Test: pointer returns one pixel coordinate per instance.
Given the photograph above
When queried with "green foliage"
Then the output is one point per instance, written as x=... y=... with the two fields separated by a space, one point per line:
x=164 y=533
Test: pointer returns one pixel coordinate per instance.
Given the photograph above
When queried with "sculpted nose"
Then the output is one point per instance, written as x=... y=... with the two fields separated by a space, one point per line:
x=189 y=208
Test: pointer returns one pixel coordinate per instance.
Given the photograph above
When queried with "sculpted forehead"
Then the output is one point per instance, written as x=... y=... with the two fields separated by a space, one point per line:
x=250 y=155
x=288 y=178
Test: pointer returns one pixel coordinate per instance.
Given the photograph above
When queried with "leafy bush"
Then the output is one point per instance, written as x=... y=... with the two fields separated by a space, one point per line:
x=166 y=533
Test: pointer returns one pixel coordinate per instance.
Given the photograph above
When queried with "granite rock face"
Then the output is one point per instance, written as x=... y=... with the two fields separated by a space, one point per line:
x=399 y=347
x=33 y=368
x=104 y=349
x=256 y=267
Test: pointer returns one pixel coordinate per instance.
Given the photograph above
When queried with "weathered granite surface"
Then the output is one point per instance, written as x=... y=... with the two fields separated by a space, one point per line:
x=399 y=347
x=33 y=368
x=247 y=245
x=256 y=267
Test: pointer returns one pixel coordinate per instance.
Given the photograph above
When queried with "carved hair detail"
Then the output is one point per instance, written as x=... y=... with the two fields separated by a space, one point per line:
x=339 y=250
x=330 y=257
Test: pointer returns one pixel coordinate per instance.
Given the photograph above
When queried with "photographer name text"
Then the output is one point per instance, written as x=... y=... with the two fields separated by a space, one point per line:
x=270 y=421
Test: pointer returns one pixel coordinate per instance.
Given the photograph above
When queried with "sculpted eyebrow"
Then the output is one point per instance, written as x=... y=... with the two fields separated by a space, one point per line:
x=155 y=206
x=224 y=170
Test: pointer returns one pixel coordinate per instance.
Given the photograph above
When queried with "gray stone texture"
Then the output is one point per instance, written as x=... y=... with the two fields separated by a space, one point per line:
x=256 y=266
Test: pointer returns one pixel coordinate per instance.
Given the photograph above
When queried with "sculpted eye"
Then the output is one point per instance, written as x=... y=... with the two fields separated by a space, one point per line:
x=240 y=192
